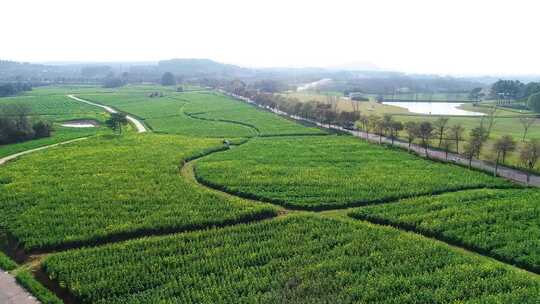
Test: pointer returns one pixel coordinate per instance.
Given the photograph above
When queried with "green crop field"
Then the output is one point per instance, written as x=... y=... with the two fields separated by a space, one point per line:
x=331 y=171
x=202 y=114
x=110 y=187
x=299 y=259
x=165 y=218
x=502 y=223
x=56 y=107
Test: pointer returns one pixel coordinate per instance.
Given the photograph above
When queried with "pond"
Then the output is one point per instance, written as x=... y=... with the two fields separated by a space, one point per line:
x=434 y=108
x=80 y=124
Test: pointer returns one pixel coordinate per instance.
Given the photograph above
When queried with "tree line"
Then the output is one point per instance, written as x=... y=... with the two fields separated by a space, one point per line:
x=447 y=136
x=10 y=89
x=16 y=125
x=439 y=133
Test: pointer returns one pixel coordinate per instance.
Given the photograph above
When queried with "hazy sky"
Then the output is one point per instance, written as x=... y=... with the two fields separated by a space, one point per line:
x=437 y=36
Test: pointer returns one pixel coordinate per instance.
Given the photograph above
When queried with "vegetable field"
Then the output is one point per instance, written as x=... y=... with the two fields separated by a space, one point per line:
x=111 y=187
x=299 y=259
x=143 y=218
x=202 y=114
x=502 y=223
x=323 y=172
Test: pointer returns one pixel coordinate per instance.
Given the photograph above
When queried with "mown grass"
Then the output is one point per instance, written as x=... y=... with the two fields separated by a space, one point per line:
x=324 y=172
x=501 y=223
x=111 y=188
x=297 y=259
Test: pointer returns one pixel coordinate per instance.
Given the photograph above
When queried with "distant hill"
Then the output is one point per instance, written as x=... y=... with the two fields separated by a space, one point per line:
x=203 y=67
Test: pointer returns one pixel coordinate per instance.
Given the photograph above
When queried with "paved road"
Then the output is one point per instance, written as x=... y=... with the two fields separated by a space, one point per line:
x=505 y=172
x=138 y=125
x=12 y=293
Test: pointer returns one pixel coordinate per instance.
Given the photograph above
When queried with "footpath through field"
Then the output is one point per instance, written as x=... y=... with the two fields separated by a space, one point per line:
x=502 y=171
x=138 y=125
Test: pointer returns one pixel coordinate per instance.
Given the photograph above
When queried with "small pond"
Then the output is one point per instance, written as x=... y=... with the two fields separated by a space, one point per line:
x=433 y=108
x=79 y=124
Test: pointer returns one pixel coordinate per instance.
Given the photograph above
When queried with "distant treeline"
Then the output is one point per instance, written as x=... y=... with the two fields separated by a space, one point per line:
x=10 y=89
x=16 y=125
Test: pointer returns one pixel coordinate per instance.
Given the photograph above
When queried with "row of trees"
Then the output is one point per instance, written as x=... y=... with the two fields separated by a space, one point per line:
x=451 y=135
x=16 y=125
x=446 y=136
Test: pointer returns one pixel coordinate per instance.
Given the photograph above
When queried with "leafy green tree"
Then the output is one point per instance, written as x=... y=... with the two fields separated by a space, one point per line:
x=168 y=79
x=116 y=121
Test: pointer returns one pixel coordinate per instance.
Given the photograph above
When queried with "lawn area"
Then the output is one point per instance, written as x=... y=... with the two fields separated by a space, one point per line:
x=503 y=223
x=322 y=172
x=296 y=259
x=111 y=187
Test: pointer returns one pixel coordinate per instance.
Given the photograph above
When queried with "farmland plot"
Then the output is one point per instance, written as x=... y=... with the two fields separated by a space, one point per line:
x=297 y=259
x=502 y=223
x=111 y=187
x=324 y=172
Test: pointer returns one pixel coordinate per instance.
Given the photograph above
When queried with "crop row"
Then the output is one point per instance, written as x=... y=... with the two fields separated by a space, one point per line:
x=297 y=259
x=323 y=172
x=502 y=223
x=110 y=188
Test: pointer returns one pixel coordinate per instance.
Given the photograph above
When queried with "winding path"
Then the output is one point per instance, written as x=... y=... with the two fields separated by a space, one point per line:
x=4 y=160
x=138 y=124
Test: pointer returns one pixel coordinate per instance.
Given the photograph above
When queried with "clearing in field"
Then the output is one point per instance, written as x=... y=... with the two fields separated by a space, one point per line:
x=110 y=188
x=500 y=223
x=332 y=172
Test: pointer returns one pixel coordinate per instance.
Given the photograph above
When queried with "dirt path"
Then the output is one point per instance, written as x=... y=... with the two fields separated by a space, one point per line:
x=138 y=125
x=13 y=156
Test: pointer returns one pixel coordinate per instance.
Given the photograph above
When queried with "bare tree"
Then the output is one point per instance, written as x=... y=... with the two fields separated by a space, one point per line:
x=394 y=128
x=475 y=142
x=456 y=133
x=425 y=132
x=502 y=146
x=411 y=128
x=445 y=145
x=526 y=122
x=528 y=156
x=440 y=127
x=491 y=115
